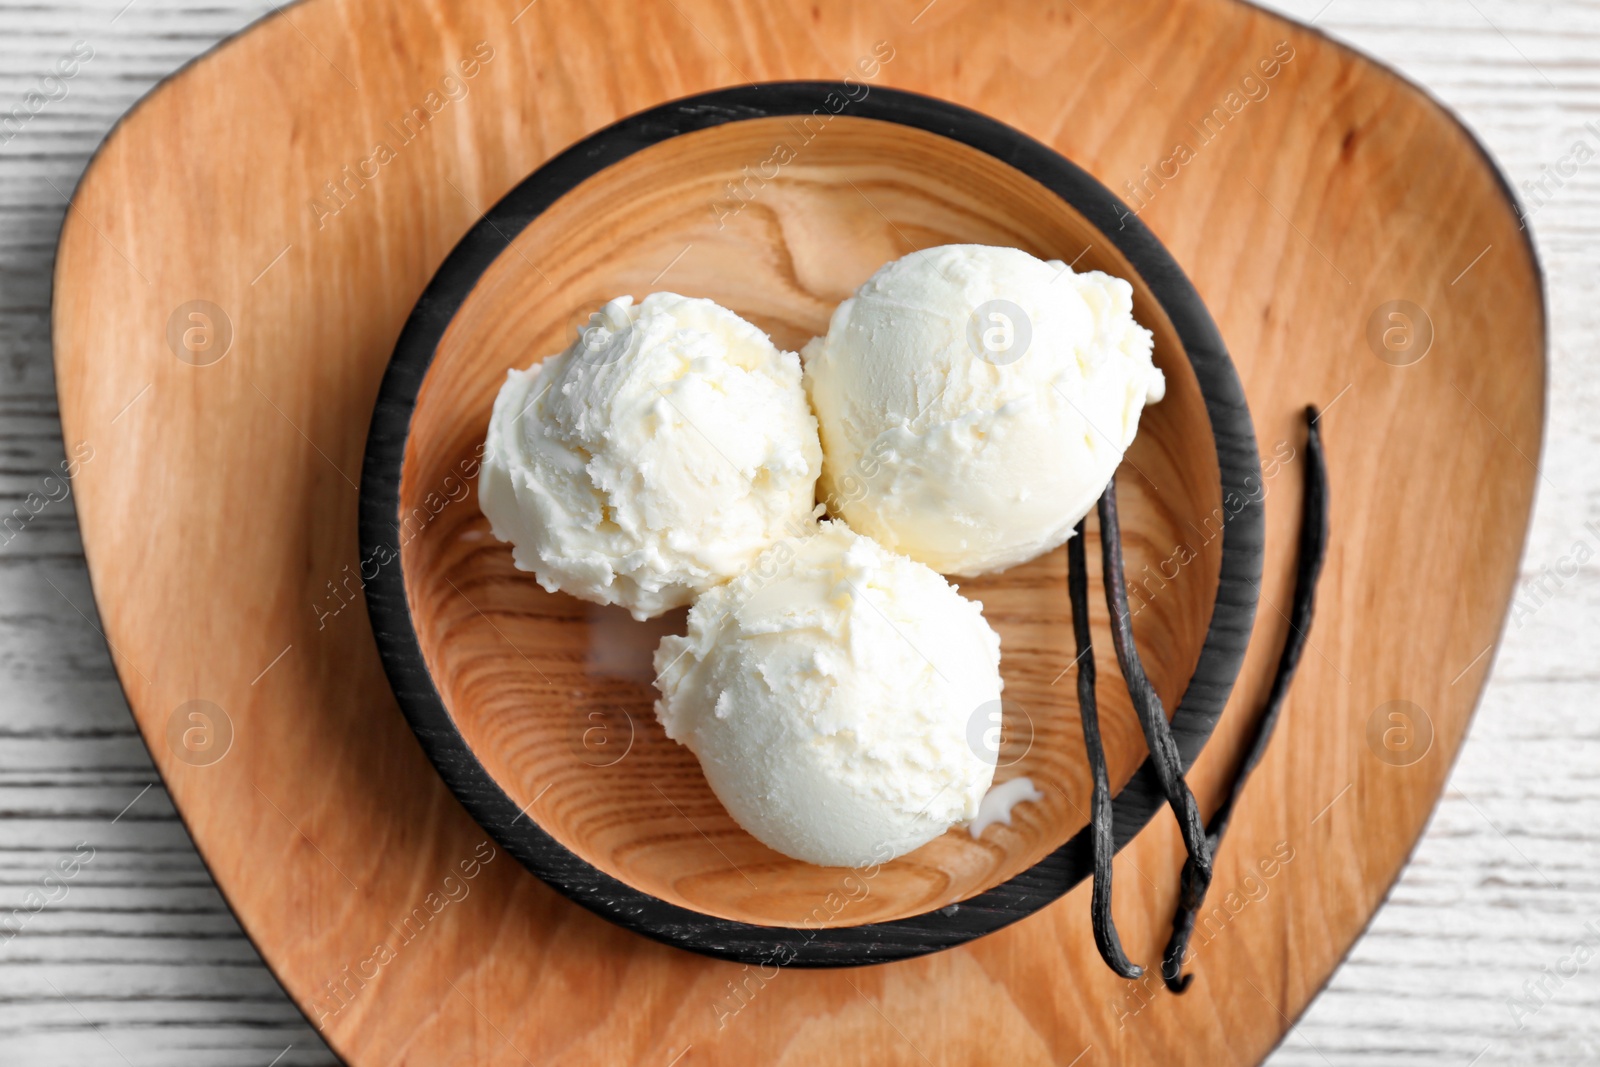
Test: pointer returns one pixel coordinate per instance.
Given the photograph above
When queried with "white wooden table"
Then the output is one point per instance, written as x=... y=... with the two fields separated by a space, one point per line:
x=135 y=959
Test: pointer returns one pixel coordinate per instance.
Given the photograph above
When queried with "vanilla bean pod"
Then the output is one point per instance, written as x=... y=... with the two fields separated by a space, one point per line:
x=1308 y=568
x=1152 y=717
x=1105 y=928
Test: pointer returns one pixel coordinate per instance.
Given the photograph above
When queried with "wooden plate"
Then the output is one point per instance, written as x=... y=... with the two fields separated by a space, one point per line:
x=296 y=189
x=537 y=709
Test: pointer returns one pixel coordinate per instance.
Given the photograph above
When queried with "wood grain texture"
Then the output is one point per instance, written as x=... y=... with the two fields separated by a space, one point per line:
x=141 y=961
x=324 y=807
x=1419 y=983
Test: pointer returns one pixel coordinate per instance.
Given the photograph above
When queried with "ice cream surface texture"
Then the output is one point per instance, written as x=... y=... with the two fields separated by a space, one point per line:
x=654 y=459
x=974 y=402
x=830 y=694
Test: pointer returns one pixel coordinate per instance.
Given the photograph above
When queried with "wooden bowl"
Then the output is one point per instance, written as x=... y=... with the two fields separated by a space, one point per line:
x=777 y=201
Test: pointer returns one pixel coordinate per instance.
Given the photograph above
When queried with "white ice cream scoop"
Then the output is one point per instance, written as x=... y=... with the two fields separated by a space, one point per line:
x=655 y=458
x=974 y=402
x=836 y=696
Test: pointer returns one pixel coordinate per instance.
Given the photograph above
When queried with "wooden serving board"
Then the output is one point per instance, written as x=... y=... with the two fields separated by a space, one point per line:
x=219 y=511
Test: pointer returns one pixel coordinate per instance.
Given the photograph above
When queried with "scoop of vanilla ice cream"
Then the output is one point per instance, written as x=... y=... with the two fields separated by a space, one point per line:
x=831 y=695
x=655 y=458
x=975 y=401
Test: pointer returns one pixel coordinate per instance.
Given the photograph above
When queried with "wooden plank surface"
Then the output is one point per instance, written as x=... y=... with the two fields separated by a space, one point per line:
x=140 y=961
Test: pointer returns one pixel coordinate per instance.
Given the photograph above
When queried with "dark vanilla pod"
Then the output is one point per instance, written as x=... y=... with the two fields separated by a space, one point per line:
x=1200 y=840
x=1164 y=756
x=1105 y=929
x=1308 y=568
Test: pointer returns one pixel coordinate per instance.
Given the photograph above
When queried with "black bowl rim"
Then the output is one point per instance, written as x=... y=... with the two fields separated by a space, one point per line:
x=1198 y=711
